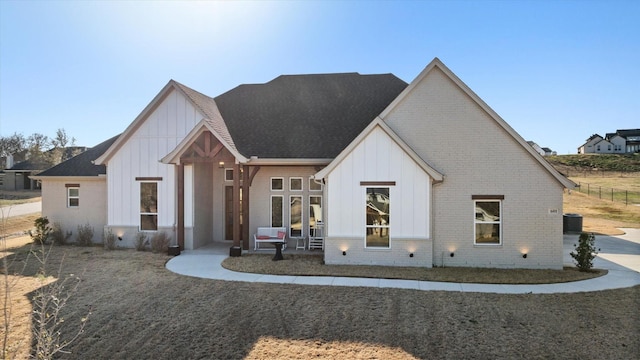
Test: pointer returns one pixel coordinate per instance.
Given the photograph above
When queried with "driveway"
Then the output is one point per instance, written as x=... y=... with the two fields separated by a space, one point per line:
x=621 y=252
x=20 y=209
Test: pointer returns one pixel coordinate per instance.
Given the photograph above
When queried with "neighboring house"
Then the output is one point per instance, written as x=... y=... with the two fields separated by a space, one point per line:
x=620 y=142
x=544 y=151
x=369 y=154
x=18 y=177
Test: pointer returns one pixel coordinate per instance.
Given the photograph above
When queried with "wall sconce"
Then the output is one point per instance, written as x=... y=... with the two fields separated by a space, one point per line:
x=524 y=256
x=120 y=237
x=410 y=254
x=221 y=164
x=344 y=253
x=452 y=254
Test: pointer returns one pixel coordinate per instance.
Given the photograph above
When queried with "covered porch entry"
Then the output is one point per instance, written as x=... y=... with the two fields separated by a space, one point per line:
x=213 y=185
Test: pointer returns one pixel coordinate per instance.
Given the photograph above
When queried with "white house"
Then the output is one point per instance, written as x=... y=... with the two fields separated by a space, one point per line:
x=370 y=155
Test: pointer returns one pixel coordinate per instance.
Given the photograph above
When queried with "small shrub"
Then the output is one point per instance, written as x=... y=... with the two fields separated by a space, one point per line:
x=585 y=251
x=58 y=236
x=85 y=235
x=141 y=241
x=160 y=242
x=109 y=240
x=42 y=231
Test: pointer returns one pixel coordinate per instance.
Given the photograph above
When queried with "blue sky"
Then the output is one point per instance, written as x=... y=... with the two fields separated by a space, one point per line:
x=556 y=71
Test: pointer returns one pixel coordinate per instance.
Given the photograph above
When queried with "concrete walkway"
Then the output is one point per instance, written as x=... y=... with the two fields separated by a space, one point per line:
x=620 y=255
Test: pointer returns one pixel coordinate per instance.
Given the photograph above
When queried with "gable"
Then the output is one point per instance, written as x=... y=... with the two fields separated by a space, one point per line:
x=452 y=129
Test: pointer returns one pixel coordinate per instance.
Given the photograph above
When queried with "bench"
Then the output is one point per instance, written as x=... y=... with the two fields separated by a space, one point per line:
x=270 y=235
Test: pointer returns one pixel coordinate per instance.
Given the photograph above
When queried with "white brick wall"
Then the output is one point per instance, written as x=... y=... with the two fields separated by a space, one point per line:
x=457 y=137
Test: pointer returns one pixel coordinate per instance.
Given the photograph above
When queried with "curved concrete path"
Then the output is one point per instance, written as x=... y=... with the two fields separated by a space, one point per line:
x=620 y=255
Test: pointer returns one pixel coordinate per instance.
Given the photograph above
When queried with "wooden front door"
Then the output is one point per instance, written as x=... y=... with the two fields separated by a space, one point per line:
x=228 y=213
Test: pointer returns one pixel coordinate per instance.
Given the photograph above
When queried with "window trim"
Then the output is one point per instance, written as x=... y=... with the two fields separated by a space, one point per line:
x=301 y=183
x=312 y=181
x=69 y=196
x=271 y=210
x=377 y=185
x=488 y=198
x=141 y=213
x=271 y=183
x=309 y=215
x=301 y=215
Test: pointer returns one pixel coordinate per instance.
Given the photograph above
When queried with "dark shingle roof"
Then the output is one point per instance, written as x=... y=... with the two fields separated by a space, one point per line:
x=29 y=165
x=305 y=116
x=81 y=165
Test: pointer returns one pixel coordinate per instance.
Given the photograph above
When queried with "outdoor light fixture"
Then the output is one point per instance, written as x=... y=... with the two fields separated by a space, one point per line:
x=221 y=164
x=452 y=254
x=344 y=253
x=120 y=237
x=524 y=256
x=410 y=254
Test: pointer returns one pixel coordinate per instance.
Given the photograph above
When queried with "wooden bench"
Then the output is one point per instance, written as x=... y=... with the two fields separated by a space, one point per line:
x=270 y=235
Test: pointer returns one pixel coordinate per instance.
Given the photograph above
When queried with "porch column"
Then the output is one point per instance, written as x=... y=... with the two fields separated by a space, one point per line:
x=236 y=204
x=245 y=207
x=181 y=206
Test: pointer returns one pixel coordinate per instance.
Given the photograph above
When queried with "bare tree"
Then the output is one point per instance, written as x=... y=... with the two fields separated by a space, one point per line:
x=12 y=144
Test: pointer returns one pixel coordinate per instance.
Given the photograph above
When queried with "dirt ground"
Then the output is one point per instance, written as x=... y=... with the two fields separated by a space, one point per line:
x=140 y=310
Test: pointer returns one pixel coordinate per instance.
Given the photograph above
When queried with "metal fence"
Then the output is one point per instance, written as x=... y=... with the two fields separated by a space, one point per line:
x=618 y=195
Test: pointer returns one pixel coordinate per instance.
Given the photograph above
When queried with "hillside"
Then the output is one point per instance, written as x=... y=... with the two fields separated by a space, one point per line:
x=601 y=162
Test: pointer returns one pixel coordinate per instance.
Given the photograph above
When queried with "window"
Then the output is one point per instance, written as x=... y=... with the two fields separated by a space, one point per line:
x=314 y=186
x=148 y=206
x=295 y=216
x=295 y=184
x=487 y=222
x=228 y=174
x=276 y=210
x=277 y=184
x=315 y=213
x=377 y=210
x=73 y=196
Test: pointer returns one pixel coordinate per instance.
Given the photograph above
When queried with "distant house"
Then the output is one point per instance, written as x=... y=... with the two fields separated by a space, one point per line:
x=369 y=155
x=544 y=151
x=18 y=177
x=619 y=142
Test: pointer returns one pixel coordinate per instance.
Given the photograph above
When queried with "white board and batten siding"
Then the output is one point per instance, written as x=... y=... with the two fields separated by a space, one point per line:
x=378 y=158
x=139 y=157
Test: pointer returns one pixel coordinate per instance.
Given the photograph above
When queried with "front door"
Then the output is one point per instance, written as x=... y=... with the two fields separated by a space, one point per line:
x=228 y=213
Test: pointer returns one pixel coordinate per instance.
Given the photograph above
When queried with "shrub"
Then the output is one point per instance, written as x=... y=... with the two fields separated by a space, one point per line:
x=585 y=251
x=141 y=241
x=42 y=231
x=109 y=240
x=58 y=236
x=160 y=242
x=85 y=235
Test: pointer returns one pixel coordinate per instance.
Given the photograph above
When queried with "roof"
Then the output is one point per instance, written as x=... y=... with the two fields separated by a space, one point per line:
x=82 y=164
x=305 y=116
x=30 y=165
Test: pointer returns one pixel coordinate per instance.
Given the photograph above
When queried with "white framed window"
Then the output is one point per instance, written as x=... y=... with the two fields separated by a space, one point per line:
x=277 y=184
x=73 y=196
x=295 y=216
x=315 y=213
x=277 y=210
x=148 y=206
x=314 y=186
x=487 y=219
x=295 y=184
x=377 y=209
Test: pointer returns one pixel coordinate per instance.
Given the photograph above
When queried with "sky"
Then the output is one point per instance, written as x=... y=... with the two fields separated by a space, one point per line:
x=556 y=71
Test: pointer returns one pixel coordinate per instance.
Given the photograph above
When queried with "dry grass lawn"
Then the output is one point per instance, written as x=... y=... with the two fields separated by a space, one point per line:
x=10 y=197
x=143 y=311
x=601 y=216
